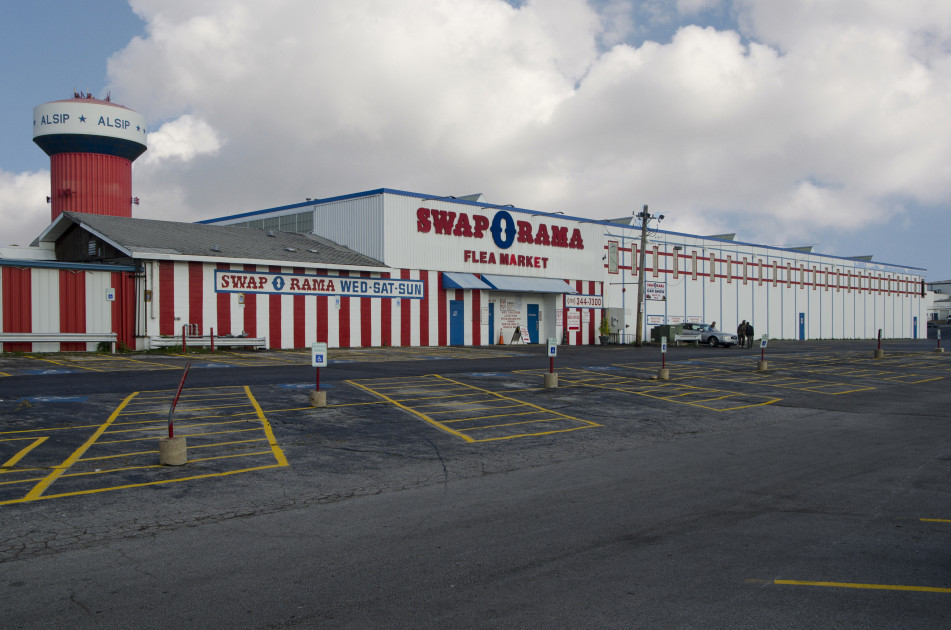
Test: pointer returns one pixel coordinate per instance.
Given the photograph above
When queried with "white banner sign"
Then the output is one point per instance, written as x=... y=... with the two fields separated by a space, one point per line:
x=234 y=281
x=655 y=290
x=574 y=320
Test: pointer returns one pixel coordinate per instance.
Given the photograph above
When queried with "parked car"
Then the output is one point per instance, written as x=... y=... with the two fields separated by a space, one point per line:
x=711 y=336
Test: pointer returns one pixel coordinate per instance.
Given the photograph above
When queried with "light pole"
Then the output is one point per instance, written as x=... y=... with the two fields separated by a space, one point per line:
x=645 y=218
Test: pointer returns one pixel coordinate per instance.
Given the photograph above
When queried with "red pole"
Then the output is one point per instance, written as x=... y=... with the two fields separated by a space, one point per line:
x=318 y=379
x=184 y=326
x=551 y=365
x=212 y=339
x=663 y=360
x=171 y=431
x=762 y=353
x=879 y=338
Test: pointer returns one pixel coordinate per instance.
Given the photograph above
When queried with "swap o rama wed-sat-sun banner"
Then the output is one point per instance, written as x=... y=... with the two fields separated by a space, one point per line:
x=234 y=281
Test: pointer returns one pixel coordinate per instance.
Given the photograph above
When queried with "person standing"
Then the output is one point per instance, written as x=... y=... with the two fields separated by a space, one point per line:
x=741 y=334
x=749 y=335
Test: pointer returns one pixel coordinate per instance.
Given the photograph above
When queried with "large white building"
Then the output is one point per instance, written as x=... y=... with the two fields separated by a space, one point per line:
x=387 y=267
x=554 y=274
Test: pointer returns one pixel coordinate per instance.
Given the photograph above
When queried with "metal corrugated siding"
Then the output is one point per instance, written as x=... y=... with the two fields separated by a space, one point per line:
x=17 y=305
x=97 y=183
x=72 y=306
x=354 y=223
x=44 y=298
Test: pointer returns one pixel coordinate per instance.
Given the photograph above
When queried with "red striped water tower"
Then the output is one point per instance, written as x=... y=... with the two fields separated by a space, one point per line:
x=92 y=144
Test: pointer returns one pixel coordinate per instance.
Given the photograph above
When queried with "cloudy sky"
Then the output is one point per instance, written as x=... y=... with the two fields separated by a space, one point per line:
x=801 y=122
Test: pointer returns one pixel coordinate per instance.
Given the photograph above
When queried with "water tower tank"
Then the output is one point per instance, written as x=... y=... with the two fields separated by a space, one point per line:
x=92 y=144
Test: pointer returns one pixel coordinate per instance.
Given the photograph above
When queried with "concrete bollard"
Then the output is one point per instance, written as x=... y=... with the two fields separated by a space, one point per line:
x=761 y=366
x=879 y=353
x=318 y=399
x=939 y=349
x=551 y=380
x=663 y=374
x=173 y=451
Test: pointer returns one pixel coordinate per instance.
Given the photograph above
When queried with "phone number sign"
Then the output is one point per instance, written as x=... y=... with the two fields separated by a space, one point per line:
x=584 y=301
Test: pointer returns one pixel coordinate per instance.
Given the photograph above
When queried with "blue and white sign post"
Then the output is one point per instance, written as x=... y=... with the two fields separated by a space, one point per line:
x=318 y=359
x=761 y=366
x=551 y=378
x=663 y=374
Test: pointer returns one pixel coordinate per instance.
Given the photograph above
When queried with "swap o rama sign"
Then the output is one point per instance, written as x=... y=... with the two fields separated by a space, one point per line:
x=234 y=281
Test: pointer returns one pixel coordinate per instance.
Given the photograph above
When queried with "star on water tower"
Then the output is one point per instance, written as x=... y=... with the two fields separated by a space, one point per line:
x=92 y=144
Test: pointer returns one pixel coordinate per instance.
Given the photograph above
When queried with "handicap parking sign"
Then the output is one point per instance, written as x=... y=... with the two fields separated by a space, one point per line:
x=318 y=355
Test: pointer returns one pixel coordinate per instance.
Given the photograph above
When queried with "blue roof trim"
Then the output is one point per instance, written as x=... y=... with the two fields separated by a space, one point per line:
x=303 y=204
x=554 y=215
x=402 y=193
x=55 y=264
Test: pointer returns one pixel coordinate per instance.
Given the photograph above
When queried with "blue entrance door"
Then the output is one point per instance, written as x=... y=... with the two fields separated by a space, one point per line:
x=533 y=323
x=802 y=326
x=492 y=337
x=457 y=330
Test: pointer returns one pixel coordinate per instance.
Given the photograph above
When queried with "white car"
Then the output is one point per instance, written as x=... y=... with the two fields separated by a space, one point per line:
x=711 y=336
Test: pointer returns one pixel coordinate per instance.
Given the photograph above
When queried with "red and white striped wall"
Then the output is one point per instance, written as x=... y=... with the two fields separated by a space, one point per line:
x=183 y=293
x=65 y=299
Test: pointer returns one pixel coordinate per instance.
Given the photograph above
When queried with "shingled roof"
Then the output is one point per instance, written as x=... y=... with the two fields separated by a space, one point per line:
x=150 y=238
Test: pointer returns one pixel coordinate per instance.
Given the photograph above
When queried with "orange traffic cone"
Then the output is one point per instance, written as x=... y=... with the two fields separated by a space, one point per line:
x=501 y=340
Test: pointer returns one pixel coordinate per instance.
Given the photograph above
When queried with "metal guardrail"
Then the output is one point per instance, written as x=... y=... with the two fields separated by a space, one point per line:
x=206 y=341
x=58 y=337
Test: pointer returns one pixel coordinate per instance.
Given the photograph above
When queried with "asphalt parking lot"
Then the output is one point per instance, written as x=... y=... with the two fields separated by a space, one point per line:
x=812 y=493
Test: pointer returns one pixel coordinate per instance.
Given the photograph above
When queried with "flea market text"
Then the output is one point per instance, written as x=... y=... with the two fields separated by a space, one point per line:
x=232 y=281
x=503 y=228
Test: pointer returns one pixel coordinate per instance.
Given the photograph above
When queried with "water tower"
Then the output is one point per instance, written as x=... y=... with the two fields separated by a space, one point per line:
x=92 y=144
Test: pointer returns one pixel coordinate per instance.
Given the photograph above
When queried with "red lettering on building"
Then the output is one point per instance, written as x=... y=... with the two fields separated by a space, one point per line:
x=476 y=226
x=443 y=221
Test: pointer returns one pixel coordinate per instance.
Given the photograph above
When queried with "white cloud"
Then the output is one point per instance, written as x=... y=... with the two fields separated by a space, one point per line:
x=810 y=117
x=24 y=212
x=182 y=139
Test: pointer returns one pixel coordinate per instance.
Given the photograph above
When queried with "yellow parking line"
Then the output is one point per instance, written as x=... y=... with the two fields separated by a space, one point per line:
x=478 y=409
x=456 y=403
x=141 y=413
x=278 y=453
x=27 y=480
x=431 y=421
x=81 y=367
x=180 y=425
x=140 y=485
x=190 y=448
x=511 y=424
x=152 y=437
x=501 y=415
x=190 y=461
x=38 y=490
x=13 y=460
x=879 y=587
x=936 y=520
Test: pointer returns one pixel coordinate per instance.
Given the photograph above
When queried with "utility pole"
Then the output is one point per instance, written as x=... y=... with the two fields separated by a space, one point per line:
x=644 y=216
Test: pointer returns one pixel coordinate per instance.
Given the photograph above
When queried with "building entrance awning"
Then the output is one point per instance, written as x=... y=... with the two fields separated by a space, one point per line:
x=451 y=280
x=523 y=284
